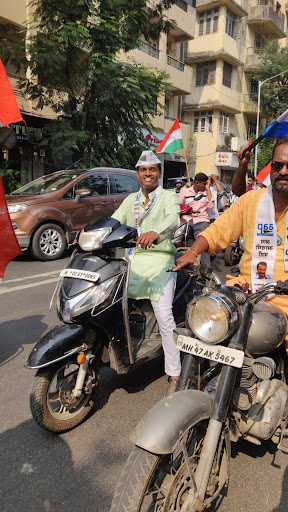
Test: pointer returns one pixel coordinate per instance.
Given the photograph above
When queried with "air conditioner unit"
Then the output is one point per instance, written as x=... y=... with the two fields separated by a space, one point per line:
x=237 y=143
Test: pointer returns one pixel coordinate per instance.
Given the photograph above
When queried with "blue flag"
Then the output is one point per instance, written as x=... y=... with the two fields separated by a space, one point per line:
x=278 y=128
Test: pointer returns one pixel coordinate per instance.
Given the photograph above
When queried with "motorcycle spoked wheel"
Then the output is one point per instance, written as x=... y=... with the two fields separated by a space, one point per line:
x=52 y=404
x=150 y=483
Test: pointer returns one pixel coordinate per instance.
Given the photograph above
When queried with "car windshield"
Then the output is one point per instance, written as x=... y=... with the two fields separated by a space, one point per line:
x=45 y=184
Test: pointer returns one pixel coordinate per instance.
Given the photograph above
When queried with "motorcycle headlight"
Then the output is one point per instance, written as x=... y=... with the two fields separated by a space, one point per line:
x=213 y=317
x=94 y=297
x=92 y=240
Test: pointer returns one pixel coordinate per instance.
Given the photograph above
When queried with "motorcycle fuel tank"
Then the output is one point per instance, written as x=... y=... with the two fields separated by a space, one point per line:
x=267 y=331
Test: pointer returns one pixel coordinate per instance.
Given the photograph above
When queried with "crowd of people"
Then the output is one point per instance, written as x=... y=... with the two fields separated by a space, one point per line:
x=155 y=214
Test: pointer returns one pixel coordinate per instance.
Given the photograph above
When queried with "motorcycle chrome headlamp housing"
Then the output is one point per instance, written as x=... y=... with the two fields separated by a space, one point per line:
x=92 y=240
x=213 y=317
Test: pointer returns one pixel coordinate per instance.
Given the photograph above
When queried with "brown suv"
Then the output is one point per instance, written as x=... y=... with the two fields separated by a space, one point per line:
x=46 y=213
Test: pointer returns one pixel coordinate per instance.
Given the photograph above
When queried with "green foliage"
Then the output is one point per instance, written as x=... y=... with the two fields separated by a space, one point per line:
x=76 y=69
x=10 y=177
x=274 y=93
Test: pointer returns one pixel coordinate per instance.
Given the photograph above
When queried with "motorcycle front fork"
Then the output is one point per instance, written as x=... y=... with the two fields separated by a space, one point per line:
x=78 y=389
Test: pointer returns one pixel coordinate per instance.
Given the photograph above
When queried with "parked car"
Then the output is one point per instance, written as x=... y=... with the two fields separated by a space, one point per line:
x=47 y=212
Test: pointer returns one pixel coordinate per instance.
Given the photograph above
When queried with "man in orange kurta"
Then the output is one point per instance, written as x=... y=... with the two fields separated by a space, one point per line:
x=240 y=219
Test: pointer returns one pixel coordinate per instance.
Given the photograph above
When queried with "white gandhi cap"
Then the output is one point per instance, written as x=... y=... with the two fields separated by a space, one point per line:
x=147 y=158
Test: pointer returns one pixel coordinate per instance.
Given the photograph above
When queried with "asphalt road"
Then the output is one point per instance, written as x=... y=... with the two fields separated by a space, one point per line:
x=78 y=471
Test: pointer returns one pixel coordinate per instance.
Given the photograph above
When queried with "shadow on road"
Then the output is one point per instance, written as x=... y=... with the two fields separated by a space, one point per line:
x=253 y=450
x=16 y=333
x=283 y=507
x=137 y=380
x=38 y=474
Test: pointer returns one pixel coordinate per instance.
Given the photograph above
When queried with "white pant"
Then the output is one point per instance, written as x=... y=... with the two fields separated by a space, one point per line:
x=166 y=323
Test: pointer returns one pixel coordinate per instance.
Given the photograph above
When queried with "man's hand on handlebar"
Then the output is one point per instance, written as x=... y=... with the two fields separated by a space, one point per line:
x=146 y=239
x=187 y=259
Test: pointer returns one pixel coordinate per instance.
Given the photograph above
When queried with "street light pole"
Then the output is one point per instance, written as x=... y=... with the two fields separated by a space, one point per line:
x=260 y=83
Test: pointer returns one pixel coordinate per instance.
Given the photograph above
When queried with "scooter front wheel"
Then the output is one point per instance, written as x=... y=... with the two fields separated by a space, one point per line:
x=52 y=404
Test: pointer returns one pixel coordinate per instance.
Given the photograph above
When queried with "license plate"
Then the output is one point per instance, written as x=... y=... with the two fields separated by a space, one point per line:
x=80 y=274
x=218 y=353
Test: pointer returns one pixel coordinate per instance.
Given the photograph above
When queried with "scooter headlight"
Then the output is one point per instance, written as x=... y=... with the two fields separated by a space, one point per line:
x=92 y=240
x=94 y=297
x=213 y=317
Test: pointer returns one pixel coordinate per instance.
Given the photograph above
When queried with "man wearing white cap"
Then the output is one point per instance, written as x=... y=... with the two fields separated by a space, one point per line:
x=155 y=213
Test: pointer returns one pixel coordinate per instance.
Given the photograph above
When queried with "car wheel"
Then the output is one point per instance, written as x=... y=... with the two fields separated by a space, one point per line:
x=48 y=243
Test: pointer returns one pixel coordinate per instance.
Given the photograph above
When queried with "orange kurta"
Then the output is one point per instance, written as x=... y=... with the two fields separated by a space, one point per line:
x=238 y=220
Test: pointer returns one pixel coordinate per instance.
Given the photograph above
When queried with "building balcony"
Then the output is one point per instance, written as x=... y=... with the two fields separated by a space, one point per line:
x=175 y=63
x=252 y=61
x=180 y=77
x=184 y=14
x=250 y=103
x=267 y=21
x=235 y=7
x=204 y=56
x=149 y=49
x=217 y=104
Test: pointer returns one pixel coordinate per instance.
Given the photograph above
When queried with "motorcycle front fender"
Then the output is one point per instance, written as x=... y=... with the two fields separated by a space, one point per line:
x=59 y=343
x=163 y=426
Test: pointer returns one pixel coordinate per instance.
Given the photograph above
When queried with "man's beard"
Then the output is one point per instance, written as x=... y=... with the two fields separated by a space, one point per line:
x=281 y=187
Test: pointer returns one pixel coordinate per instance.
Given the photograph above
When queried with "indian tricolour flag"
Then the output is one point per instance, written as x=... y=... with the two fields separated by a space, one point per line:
x=264 y=175
x=172 y=141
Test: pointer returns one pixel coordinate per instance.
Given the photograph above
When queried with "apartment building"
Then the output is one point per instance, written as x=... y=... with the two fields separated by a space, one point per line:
x=25 y=156
x=167 y=54
x=222 y=106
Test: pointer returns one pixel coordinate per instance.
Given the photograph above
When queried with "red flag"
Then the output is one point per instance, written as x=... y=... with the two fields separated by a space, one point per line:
x=9 y=111
x=9 y=247
x=264 y=175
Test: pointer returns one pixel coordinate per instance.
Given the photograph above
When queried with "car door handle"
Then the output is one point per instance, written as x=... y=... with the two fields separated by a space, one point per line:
x=104 y=202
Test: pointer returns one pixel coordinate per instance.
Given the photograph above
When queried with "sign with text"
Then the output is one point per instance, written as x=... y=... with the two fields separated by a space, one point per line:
x=224 y=159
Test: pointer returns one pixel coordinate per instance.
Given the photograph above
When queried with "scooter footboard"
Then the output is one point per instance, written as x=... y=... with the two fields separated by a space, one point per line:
x=160 y=429
x=58 y=343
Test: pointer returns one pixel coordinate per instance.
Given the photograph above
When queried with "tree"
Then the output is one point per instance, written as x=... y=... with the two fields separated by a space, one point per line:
x=74 y=55
x=274 y=93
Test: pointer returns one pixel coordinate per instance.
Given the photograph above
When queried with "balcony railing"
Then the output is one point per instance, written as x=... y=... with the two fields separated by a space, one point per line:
x=149 y=49
x=175 y=63
x=263 y=13
x=183 y=4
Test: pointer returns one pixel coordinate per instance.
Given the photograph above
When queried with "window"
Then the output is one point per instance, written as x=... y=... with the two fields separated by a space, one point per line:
x=258 y=43
x=203 y=121
x=205 y=73
x=251 y=129
x=125 y=184
x=97 y=183
x=253 y=90
x=231 y=24
x=224 y=122
x=227 y=74
x=208 y=22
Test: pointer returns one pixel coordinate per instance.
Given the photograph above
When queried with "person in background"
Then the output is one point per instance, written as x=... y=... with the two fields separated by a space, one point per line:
x=178 y=185
x=199 y=218
x=217 y=192
x=250 y=183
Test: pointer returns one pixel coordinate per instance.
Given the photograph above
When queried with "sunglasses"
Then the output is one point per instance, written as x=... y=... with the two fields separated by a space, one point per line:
x=277 y=166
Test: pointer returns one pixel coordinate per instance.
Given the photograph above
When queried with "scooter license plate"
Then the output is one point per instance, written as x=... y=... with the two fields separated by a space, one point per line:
x=80 y=274
x=218 y=353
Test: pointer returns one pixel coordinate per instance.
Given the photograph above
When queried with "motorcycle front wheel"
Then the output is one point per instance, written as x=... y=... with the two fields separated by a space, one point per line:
x=52 y=404
x=151 y=483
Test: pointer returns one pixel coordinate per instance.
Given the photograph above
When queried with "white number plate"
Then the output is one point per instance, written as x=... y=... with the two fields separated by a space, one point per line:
x=218 y=353
x=80 y=274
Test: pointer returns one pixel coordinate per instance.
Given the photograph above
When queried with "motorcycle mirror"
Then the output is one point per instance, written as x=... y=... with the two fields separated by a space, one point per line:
x=198 y=196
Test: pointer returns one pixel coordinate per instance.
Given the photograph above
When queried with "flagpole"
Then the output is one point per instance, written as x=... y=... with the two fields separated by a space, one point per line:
x=187 y=169
x=251 y=146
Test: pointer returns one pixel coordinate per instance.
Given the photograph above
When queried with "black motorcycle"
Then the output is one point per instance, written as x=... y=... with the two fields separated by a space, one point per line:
x=232 y=385
x=99 y=326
